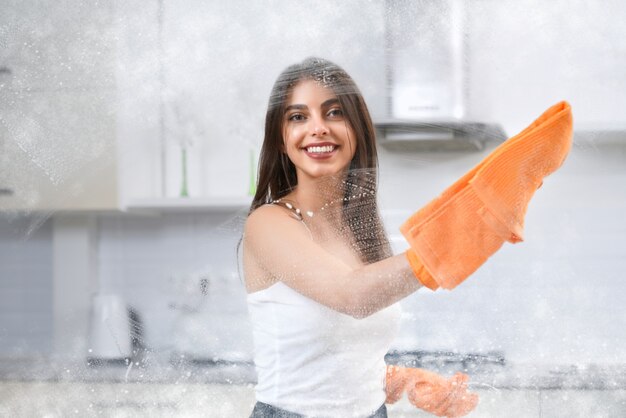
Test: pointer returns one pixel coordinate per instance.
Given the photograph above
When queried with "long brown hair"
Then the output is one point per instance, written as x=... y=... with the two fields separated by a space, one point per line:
x=277 y=174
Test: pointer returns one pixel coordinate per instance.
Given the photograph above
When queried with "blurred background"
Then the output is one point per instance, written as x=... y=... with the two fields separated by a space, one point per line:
x=129 y=136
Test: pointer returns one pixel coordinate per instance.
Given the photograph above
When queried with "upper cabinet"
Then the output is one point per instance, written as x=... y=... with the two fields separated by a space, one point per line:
x=176 y=137
x=188 y=126
x=139 y=102
x=57 y=106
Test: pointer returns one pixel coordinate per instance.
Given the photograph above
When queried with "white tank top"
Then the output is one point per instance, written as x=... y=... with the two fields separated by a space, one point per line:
x=315 y=361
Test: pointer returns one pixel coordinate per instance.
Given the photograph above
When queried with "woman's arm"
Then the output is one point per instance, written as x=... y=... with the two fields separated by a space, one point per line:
x=283 y=248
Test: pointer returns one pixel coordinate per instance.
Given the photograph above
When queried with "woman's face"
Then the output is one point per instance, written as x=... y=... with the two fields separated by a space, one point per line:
x=316 y=136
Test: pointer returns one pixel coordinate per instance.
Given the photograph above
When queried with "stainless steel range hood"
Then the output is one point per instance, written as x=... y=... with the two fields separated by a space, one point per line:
x=427 y=75
x=437 y=135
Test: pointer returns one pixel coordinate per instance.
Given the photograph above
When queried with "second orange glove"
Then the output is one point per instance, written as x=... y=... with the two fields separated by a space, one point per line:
x=430 y=392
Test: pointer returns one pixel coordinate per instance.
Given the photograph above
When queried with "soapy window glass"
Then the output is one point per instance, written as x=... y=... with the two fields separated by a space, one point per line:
x=124 y=186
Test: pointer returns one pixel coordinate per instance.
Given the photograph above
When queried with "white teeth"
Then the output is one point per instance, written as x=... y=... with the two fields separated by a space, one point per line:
x=327 y=148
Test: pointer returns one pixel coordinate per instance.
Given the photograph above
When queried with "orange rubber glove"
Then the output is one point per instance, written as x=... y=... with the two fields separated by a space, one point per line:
x=430 y=391
x=454 y=234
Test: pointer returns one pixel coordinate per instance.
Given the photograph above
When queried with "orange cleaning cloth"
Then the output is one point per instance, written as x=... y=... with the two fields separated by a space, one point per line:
x=458 y=231
x=430 y=392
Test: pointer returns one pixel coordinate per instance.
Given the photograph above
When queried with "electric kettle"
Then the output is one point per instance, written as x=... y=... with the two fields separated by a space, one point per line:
x=110 y=336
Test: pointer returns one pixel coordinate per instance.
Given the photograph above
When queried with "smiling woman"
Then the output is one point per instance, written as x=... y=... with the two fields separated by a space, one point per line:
x=321 y=279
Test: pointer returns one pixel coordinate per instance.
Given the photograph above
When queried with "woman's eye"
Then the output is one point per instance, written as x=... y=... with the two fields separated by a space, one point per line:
x=296 y=117
x=336 y=113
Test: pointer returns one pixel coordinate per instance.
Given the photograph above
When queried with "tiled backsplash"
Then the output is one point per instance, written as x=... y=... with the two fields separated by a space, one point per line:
x=157 y=263
x=25 y=287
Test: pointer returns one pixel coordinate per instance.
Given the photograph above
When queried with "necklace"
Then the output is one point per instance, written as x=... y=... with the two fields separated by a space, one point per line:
x=294 y=209
x=298 y=213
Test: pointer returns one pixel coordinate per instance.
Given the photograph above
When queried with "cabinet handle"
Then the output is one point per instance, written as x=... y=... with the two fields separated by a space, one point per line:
x=4 y=191
x=5 y=70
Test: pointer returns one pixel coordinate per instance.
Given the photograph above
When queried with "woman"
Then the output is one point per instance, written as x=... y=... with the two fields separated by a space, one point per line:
x=322 y=283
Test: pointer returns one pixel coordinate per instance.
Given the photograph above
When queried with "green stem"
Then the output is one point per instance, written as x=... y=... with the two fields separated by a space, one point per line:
x=183 y=191
x=252 y=183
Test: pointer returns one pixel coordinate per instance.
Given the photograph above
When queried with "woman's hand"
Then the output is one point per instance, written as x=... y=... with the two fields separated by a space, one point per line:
x=431 y=392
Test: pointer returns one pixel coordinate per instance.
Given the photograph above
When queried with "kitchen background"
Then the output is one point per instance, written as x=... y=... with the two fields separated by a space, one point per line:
x=106 y=106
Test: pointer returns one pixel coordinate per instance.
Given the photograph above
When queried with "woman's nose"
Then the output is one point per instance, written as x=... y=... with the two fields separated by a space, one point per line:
x=319 y=127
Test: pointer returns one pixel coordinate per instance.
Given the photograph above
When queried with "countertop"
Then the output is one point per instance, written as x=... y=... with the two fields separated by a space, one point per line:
x=158 y=368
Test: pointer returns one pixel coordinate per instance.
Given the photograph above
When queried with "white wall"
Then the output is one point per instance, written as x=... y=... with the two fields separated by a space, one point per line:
x=525 y=55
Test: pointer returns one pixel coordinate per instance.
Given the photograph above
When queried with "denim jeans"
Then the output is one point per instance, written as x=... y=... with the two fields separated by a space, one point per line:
x=263 y=410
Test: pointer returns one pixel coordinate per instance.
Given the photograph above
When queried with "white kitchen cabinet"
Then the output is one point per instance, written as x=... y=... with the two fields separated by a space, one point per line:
x=57 y=114
x=170 y=91
x=138 y=120
x=57 y=150
x=86 y=91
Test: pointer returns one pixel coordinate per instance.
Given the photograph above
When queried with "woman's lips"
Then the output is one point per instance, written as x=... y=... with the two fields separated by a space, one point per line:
x=320 y=154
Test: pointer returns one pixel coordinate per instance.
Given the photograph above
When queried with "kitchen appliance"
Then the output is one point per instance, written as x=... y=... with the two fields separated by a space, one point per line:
x=427 y=80
x=110 y=336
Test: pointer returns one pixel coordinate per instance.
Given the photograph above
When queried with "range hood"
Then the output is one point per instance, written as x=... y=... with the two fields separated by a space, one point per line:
x=427 y=77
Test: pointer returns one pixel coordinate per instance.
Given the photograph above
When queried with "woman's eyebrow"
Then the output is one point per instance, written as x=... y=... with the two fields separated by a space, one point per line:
x=327 y=103
x=295 y=106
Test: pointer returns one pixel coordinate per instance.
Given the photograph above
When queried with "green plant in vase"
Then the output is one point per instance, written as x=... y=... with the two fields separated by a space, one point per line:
x=184 y=192
x=252 y=174
x=185 y=131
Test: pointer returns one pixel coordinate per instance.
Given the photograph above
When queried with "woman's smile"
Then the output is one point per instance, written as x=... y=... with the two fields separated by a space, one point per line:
x=321 y=151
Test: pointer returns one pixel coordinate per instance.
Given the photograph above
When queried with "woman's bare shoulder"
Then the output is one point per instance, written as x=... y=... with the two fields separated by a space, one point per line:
x=257 y=244
x=265 y=209
x=263 y=214
x=265 y=222
x=267 y=216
